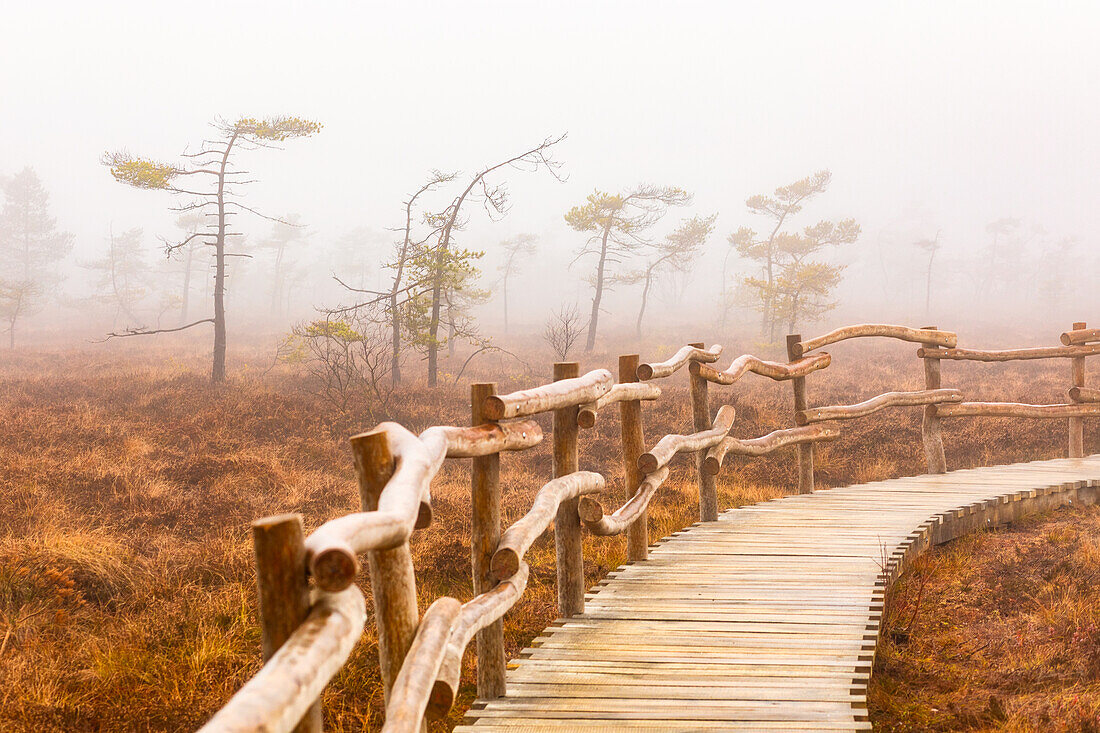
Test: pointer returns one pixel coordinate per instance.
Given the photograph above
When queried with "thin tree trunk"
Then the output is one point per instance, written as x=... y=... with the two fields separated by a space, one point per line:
x=645 y=298
x=593 y=320
x=218 y=369
x=187 y=284
x=504 y=294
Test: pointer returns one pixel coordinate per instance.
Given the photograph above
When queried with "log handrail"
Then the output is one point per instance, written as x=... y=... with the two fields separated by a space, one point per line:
x=621 y=392
x=686 y=355
x=668 y=446
x=518 y=538
x=421 y=669
x=1079 y=336
x=902 y=333
x=596 y=522
x=1017 y=409
x=553 y=396
x=476 y=614
x=277 y=696
x=1084 y=394
x=879 y=402
x=1039 y=352
x=766 y=443
x=771 y=369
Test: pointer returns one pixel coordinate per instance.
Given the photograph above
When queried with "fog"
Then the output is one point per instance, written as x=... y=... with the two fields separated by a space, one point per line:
x=934 y=120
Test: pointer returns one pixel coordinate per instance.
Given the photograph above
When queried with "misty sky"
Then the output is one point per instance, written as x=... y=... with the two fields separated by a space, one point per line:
x=967 y=113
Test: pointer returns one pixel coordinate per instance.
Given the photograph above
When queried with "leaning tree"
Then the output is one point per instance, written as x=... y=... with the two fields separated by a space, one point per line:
x=619 y=226
x=218 y=198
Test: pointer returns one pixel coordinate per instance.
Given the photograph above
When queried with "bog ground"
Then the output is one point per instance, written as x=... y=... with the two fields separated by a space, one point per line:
x=126 y=581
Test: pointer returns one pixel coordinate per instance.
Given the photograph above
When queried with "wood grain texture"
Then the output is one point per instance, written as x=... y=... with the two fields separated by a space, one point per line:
x=805 y=451
x=778 y=371
x=1041 y=352
x=1076 y=337
x=632 y=435
x=685 y=355
x=484 y=538
x=931 y=430
x=396 y=507
x=556 y=493
x=283 y=589
x=1017 y=409
x=626 y=516
x=1075 y=426
x=277 y=697
x=879 y=402
x=561 y=393
x=621 y=392
x=765 y=620
x=864 y=330
x=766 y=443
x=670 y=445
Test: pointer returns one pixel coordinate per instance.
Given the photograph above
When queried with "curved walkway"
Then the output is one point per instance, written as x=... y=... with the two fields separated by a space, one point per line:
x=765 y=620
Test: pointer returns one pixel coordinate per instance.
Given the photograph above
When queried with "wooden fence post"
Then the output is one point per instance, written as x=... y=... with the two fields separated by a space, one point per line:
x=283 y=587
x=931 y=433
x=484 y=537
x=700 y=414
x=392 y=578
x=1077 y=424
x=567 y=522
x=633 y=435
x=805 y=450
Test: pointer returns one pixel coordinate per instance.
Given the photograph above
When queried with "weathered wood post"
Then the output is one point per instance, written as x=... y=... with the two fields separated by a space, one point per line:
x=567 y=522
x=392 y=578
x=630 y=421
x=283 y=587
x=1077 y=424
x=805 y=450
x=930 y=430
x=484 y=537
x=700 y=413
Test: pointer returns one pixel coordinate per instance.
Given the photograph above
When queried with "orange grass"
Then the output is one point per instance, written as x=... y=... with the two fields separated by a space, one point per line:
x=126 y=586
x=997 y=631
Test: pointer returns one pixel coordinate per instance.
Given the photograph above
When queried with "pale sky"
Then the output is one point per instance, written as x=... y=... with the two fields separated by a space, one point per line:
x=967 y=111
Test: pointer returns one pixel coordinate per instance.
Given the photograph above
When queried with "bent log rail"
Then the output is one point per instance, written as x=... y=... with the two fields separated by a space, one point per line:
x=306 y=641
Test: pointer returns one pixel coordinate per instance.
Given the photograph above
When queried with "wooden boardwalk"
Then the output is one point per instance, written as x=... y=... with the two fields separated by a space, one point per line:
x=765 y=620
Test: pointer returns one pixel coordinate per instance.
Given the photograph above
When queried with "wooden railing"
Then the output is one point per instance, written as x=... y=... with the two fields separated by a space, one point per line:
x=306 y=639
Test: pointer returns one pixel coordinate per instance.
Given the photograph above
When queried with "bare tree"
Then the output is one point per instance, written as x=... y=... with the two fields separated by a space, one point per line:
x=123 y=271
x=213 y=162
x=563 y=328
x=494 y=198
x=931 y=246
x=676 y=252
x=516 y=249
x=347 y=357
x=619 y=224
x=285 y=233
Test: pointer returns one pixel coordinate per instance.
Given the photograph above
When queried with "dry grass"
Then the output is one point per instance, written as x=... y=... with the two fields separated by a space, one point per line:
x=129 y=482
x=997 y=631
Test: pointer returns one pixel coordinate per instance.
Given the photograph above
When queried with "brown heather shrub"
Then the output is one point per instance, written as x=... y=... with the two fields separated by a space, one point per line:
x=126 y=586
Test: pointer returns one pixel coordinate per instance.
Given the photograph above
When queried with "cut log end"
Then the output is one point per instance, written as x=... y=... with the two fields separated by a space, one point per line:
x=493 y=408
x=647 y=463
x=644 y=372
x=334 y=569
x=505 y=563
x=801 y=418
x=586 y=418
x=711 y=466
x=589 y=509
x=440 y=701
